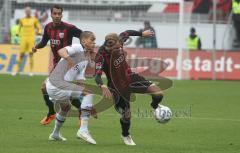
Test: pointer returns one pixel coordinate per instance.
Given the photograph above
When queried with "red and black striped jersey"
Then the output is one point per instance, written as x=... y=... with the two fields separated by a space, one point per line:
x=113 y=63
x=115 y=66
x=60 y=36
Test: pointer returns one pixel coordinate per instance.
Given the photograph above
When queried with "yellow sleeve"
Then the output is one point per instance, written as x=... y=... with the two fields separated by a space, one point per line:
x=37 y=26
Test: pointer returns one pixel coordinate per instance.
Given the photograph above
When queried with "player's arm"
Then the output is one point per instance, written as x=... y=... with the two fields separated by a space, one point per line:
x=38 y=27
x=66 y=52
x=98 y=76
x=43 y=41
x=19 y=28
x=126 y=34
x=76 y=32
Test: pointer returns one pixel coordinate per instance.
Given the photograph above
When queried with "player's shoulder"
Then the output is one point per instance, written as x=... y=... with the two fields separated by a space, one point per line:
x=101 y=49
x=68 y=25
x=49 y=24
x=76 y=46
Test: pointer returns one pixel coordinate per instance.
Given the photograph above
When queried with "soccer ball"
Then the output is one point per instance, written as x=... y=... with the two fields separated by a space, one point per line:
x=163 y=114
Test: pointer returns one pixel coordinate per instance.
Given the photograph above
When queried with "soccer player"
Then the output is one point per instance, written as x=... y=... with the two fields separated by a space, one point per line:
x=62 y=85
x=28 y=27
x=110 y=59
x=60 y=35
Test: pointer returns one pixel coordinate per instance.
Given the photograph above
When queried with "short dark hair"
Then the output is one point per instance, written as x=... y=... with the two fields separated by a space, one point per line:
x=86 y=34
x=57 y=7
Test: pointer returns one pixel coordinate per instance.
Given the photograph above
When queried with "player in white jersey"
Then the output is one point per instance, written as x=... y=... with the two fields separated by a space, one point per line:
x=64 y=83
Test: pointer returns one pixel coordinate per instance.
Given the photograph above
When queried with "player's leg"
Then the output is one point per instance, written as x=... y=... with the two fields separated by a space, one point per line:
x=157 y=95
x=141 y=85
x=122 y=106
x=76 y=102
x=23 y=48
x=86 y=108
x=65 y=106
x=51 y=112
x=31 y=64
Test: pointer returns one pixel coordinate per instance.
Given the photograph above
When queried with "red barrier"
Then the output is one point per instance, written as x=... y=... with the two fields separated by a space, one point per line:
x=195 y=64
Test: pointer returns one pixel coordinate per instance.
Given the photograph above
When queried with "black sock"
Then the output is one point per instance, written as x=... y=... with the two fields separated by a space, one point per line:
x=76 y=103
x=156 y=100
x=50 y=105
x=125 y=127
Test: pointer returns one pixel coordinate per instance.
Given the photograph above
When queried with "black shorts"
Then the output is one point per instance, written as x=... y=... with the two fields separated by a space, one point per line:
x=122 y=97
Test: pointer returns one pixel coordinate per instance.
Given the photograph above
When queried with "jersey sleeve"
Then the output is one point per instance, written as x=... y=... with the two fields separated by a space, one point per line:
x=44 y=39
x=75 y=48
x=126 y=34
x=75 y=31
x=99 y=61
x=99 y=64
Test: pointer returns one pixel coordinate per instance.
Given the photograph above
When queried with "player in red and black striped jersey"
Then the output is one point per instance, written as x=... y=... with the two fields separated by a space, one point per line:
x=60 y=35
x=111 y=59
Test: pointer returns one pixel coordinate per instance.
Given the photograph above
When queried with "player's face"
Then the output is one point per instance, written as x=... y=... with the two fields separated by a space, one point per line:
x=89 y=43
x=56 y=15
x=28 y=11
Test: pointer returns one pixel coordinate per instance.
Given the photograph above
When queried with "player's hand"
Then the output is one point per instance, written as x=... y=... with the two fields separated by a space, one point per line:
x=147 y=33
x=34 y=50
x=106 y=92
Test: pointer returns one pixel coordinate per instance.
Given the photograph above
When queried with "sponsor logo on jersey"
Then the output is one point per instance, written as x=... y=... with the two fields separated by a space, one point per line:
x=61 y=35
x=119 y=60
x=55 y=42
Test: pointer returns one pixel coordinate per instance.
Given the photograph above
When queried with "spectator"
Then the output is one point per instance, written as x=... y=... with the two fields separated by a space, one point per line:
x=147 y=42
x=236 y=21
x=194 y=42
x=15 y=39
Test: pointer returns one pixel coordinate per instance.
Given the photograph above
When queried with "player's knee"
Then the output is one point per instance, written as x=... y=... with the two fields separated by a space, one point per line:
x=126 y=115
x=87 y=102
x=66 y=107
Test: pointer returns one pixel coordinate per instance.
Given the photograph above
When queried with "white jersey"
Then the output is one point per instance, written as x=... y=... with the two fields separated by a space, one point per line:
x=78 y=71
x=59 y=84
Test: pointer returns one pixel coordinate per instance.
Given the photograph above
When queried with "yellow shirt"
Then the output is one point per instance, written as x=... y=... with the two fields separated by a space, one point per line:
x=28 y=27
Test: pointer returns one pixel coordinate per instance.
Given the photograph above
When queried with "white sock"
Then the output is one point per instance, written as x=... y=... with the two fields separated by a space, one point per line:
x=84 y=124
x=58 y=124
x=86 y=106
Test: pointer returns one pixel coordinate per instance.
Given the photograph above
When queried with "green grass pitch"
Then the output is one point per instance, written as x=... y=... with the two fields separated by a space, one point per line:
x=206 y=120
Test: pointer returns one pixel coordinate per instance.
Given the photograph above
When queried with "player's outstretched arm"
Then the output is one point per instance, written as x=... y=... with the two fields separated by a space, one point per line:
x=126 y=34
x=147 y=33
x=43 y=41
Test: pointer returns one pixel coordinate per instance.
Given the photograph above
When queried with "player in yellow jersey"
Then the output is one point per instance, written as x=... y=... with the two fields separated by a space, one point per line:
x=28 y=27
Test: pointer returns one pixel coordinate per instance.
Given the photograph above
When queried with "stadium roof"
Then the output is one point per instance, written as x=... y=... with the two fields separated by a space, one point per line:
x=99 y=2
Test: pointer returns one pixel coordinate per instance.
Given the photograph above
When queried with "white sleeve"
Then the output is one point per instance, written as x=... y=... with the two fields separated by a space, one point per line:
x=75 y=48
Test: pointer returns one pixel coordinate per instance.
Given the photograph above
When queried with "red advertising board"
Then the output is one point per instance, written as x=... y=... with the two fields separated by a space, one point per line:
x=195 y=64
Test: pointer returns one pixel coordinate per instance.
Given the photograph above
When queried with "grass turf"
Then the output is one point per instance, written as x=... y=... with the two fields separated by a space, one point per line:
x=206 y=120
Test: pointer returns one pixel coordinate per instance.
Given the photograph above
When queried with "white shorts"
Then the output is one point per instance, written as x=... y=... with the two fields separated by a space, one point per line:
x=56 y=94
